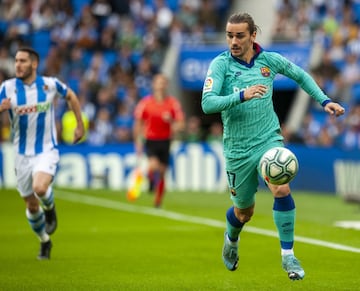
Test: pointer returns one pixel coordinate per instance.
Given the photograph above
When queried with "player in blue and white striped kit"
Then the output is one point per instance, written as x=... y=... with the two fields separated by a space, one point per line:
x=239 y=84
x=29 y=100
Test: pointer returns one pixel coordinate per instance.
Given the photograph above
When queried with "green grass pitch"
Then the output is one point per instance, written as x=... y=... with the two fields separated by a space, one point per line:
x=104 y=242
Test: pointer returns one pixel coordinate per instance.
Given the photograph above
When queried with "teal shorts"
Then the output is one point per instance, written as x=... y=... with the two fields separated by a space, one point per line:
x=243 y=177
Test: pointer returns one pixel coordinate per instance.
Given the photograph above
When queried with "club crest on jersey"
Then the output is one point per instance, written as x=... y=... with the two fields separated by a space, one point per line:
x=208 y=84
x=233 y=192
x=265 y=71
x=46 y=87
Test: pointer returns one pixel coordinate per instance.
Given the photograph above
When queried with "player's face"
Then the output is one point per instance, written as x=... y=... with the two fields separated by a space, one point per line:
x=159 y=83
x=24 y=66
x=240 y=40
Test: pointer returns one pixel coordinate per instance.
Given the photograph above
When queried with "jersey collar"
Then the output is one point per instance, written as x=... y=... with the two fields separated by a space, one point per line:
x=258 y=49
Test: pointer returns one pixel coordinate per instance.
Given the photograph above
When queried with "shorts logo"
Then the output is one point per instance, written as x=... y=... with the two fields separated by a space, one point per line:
x=265 y=71
x=208 y=84
x=233 y=192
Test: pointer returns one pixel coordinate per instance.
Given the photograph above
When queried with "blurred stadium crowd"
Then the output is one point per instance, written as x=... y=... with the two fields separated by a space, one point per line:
x=334 y=27
x=108 y=51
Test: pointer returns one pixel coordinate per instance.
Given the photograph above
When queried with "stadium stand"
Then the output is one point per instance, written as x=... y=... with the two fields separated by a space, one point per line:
x=92 y=44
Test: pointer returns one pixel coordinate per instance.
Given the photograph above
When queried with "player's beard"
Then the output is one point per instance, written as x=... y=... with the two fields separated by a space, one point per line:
x=241 y=52
x=24 y=73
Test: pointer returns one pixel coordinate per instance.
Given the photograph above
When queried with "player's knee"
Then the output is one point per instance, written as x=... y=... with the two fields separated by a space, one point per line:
x=280 y=190
x=244 y=215
x=40 y=189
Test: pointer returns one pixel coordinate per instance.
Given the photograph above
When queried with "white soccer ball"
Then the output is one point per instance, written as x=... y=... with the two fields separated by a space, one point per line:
x=279 y=166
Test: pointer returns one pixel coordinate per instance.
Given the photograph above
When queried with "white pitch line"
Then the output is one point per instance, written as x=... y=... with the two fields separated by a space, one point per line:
x=111 y=204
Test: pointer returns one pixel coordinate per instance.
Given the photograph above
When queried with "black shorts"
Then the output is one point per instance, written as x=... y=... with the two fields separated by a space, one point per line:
x=159 y=149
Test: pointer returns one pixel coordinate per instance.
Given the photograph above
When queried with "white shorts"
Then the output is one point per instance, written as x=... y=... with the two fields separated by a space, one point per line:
x=27 y=166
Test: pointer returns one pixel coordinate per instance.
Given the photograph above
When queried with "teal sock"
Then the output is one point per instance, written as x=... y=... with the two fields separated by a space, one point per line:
x=284 y=218
x=233 y=225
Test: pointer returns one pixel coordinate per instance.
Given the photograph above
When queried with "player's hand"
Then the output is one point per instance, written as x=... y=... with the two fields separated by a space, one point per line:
x=5 y=104
x=256 y=91
x=334 y=108
x=78 y=134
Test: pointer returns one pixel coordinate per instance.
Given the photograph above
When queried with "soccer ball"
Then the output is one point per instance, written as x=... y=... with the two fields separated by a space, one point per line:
x=279 y=166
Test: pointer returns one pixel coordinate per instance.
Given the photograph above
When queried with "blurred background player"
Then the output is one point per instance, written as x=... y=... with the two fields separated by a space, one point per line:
x=29 y=99
x=158 y=117
x=239 y=84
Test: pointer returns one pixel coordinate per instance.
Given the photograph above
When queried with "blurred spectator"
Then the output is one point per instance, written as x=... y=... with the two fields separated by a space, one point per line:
x=328 y=77
x=143 y=76
x=310 y=129
x=215 y=132
x=193 y=130
x=6 y=62
x=101 y=131
x=97 y=71
x=350 y=75
x=43 y=17
x=123 y=123
x=86 y=33
x=12 y=10
x=351 y=136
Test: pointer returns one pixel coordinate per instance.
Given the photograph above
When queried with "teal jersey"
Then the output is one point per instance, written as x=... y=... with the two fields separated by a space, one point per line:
x=251 y=124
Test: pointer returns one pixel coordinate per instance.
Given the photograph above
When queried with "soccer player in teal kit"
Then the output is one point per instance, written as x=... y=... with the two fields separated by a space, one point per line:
x=239 y=84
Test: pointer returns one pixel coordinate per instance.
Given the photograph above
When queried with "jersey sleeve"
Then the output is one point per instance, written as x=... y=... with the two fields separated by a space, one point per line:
x=2 y=92
x=301 y=77
x=61 y=88
x=212 y=101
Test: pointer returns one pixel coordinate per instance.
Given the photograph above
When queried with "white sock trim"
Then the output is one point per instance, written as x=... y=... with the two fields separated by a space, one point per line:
x=287 y=252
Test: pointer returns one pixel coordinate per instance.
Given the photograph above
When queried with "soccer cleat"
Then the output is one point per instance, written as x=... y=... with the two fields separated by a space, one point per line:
x=230 y=254
x=45 y=248
x=292 y=266
x=50 y=220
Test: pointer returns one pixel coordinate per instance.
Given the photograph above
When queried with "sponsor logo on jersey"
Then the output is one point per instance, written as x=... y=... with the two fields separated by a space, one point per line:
x=208 y=84
x=26 y=109
x=265 y=71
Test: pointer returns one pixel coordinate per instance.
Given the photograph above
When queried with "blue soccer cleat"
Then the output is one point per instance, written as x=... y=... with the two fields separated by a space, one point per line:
x=292 y=266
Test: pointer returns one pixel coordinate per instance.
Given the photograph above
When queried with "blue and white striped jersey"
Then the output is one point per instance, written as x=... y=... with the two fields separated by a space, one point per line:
x=32 y=113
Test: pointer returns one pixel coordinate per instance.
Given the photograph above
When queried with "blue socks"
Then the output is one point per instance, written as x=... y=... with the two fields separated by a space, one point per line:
x=233 y=225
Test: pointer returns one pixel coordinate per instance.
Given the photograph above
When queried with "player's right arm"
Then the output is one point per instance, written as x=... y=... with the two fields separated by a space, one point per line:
x=212 y=101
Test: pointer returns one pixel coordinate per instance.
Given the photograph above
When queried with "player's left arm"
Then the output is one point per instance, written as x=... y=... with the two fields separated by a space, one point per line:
x=5 y=103
x=178 y=124
x=309 y=85
x=74 y=104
